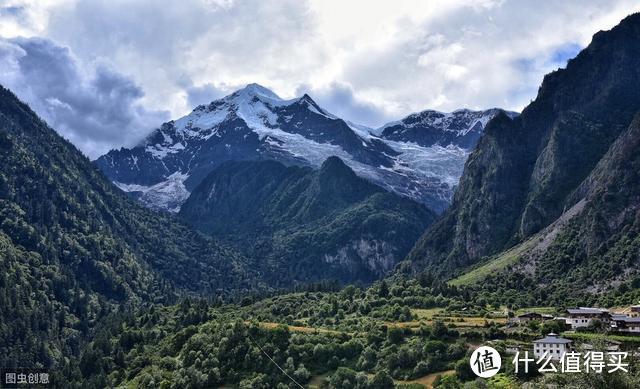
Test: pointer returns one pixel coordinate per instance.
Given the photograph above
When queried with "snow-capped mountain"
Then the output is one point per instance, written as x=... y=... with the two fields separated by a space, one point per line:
x=460 y=128
x=253 y=123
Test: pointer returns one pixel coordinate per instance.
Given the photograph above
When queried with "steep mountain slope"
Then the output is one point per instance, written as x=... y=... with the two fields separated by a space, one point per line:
x=525 y=171
x=255 y=124
x=593 y=248
x=461 y=128
x=73 y=247
x=307 y=224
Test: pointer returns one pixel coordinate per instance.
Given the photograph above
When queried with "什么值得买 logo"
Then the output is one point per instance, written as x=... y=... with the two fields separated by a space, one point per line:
x=485 y=362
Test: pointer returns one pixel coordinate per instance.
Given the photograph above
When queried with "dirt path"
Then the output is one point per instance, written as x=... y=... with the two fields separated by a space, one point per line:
x=470 y=322
x=317 y=381
x=428 y=380
x=306 y=330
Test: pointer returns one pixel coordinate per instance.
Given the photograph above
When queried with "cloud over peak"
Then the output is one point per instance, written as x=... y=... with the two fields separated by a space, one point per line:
x=94 y=107
x=123 y=65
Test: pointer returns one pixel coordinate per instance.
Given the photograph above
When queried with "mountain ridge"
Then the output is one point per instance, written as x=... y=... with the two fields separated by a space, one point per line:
x=526 y=171
x=462 y=127
x=590 y=252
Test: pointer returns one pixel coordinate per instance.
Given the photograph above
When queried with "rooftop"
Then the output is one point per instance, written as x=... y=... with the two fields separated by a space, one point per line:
x=586 y=311
x=553 y=339
x=627 y=319
x=530 y=314
x=619 y=316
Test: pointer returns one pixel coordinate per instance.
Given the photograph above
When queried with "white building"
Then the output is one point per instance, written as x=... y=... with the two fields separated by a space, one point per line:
x=552 y=345
x=583 y=317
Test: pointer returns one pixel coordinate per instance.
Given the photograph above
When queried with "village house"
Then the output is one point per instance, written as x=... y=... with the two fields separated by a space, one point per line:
x=529 y=316
x=635 y=311
x=526 y=317
x=583 y=317
x=552 y=345
x=624 y=323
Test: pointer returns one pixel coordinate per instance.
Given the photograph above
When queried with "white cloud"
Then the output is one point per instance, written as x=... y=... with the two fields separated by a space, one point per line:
x=367 y=61
x=342 y=101
x=25 y=17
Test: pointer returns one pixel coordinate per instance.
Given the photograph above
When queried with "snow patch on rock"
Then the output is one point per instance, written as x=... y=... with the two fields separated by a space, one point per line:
x=167 y=195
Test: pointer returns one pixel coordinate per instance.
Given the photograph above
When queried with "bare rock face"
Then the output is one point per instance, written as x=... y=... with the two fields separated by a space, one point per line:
x=376 y=256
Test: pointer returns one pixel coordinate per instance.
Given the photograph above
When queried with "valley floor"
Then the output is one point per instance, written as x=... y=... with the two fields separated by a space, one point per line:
x=401 y=334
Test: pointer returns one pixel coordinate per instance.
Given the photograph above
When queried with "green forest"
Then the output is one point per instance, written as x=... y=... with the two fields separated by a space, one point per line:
x=402 y=334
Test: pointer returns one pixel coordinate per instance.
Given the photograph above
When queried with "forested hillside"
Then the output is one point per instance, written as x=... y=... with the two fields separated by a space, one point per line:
x=306 y=225
x=73 y=247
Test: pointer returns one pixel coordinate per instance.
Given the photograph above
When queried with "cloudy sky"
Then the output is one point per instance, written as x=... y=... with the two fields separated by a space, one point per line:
x=105 y=73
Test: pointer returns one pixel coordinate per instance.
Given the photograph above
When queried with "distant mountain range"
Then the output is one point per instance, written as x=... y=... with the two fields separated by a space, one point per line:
x=419 y=157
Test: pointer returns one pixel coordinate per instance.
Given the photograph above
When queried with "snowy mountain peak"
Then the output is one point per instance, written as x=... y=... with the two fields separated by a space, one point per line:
x=255 y=90
x=308 y=102
x=411 y=157
x=461 y=127
x=306 y=99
